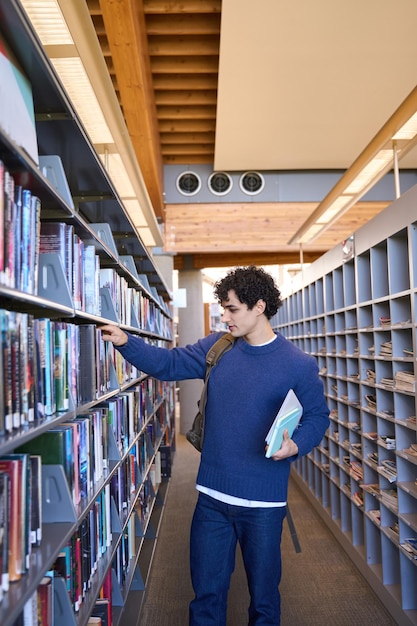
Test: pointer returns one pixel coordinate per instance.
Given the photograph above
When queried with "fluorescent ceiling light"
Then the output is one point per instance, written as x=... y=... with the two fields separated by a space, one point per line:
x=52 y=30
x=334 y=209
x=408 y=131
x=117 y=172
x=135 y=211
x=379 y=157
x=81 y=93
x=310 y=233
x=67 y=33
x=378 y=163
x=48 y=21
x=146 y=236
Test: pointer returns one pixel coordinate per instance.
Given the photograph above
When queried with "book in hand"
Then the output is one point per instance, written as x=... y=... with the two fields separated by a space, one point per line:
x=287 y=418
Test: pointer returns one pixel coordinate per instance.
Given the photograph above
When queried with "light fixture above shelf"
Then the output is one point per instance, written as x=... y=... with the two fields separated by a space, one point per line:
x=395 y=139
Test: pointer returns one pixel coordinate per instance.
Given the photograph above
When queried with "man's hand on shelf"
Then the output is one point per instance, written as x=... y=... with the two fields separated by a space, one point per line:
x=114 y=334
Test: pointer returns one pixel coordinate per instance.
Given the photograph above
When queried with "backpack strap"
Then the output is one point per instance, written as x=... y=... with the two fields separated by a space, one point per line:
x=224 y=343
x=196 y=435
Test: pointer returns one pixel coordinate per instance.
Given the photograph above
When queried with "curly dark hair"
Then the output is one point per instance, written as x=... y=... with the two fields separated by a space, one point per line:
x=250 y=285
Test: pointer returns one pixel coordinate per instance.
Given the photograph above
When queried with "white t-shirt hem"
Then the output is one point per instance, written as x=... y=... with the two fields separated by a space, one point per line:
x=224 y=497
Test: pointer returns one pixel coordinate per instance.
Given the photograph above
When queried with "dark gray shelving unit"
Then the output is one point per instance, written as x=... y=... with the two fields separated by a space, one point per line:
x=98 y=217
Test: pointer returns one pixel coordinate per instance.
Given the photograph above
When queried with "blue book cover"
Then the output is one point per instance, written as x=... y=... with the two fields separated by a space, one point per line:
x=26 y=242
x=288 y=418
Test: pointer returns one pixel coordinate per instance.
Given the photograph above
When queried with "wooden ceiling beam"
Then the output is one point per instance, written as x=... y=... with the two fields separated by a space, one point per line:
x=98 y=25
x=186 y=126
x=179 y=97
x=224 y=259
x=187 y=138
x=183 y=6
x=187 y=159
x=197 y=112
x=185 y=82
x=191 y=148
x=183 y=24
x=94 y=7
x=124 y=21
x=185 y=65
x=184 y=46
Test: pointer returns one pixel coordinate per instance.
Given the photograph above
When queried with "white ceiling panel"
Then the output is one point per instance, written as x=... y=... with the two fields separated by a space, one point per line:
x=307 y=84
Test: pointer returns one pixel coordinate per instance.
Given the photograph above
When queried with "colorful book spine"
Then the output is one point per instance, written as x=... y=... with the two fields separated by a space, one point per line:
x=84 y=459
x=17 y=235
x=8 y=229
x=56 y=447
x=46 y=343
x=14 y=326
x=7 y=419
x=77 y=281
x=35 y=226
x=2 y=224
x=60 y=369
x=45 y=602
x=53 y=239
x=35 y=461
x=5 y=504
x=87 y=377
x=91 y=292
x=11 y=468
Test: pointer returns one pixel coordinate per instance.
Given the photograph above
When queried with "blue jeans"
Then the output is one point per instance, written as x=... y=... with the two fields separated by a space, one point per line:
x=216 y=529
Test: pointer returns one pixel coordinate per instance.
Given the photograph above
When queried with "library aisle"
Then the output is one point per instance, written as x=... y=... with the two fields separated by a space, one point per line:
x=320 y=584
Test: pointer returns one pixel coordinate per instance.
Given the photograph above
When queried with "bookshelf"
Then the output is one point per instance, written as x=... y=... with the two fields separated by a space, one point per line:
x=357 y=316
x=126 y=416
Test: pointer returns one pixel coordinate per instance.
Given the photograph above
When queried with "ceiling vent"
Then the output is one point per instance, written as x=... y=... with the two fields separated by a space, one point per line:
x=251 y=183
x=220 y=183
x=188 y=183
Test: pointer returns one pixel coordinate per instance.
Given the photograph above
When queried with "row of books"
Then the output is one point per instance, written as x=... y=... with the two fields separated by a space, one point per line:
x=389 y=496
x=85 y=446
x=79 y=262
x=129 y=411
x=388 y=469
x=133 y=307
x=131 y=537
x=355 y=469
x=20 y=515
x=23 y=237
x=405 y=381
x=39 y=610
x=86 y=280
x=80 y=447
x=78 y=561
x=410 y=546
x=48 y=367
x=21 y=504
x=19 y=234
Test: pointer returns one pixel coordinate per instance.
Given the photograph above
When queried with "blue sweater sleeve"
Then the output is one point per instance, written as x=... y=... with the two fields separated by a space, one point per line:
x=169 y=364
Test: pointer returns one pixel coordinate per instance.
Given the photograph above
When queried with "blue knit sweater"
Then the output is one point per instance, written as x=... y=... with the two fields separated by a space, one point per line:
x=245 y=391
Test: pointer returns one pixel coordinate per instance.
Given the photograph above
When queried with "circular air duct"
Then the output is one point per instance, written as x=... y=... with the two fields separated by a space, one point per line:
x=251 y=183
x=220 y=183
x=188 y=183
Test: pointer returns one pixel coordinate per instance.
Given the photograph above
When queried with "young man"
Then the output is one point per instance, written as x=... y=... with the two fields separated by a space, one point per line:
x=242 y=494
